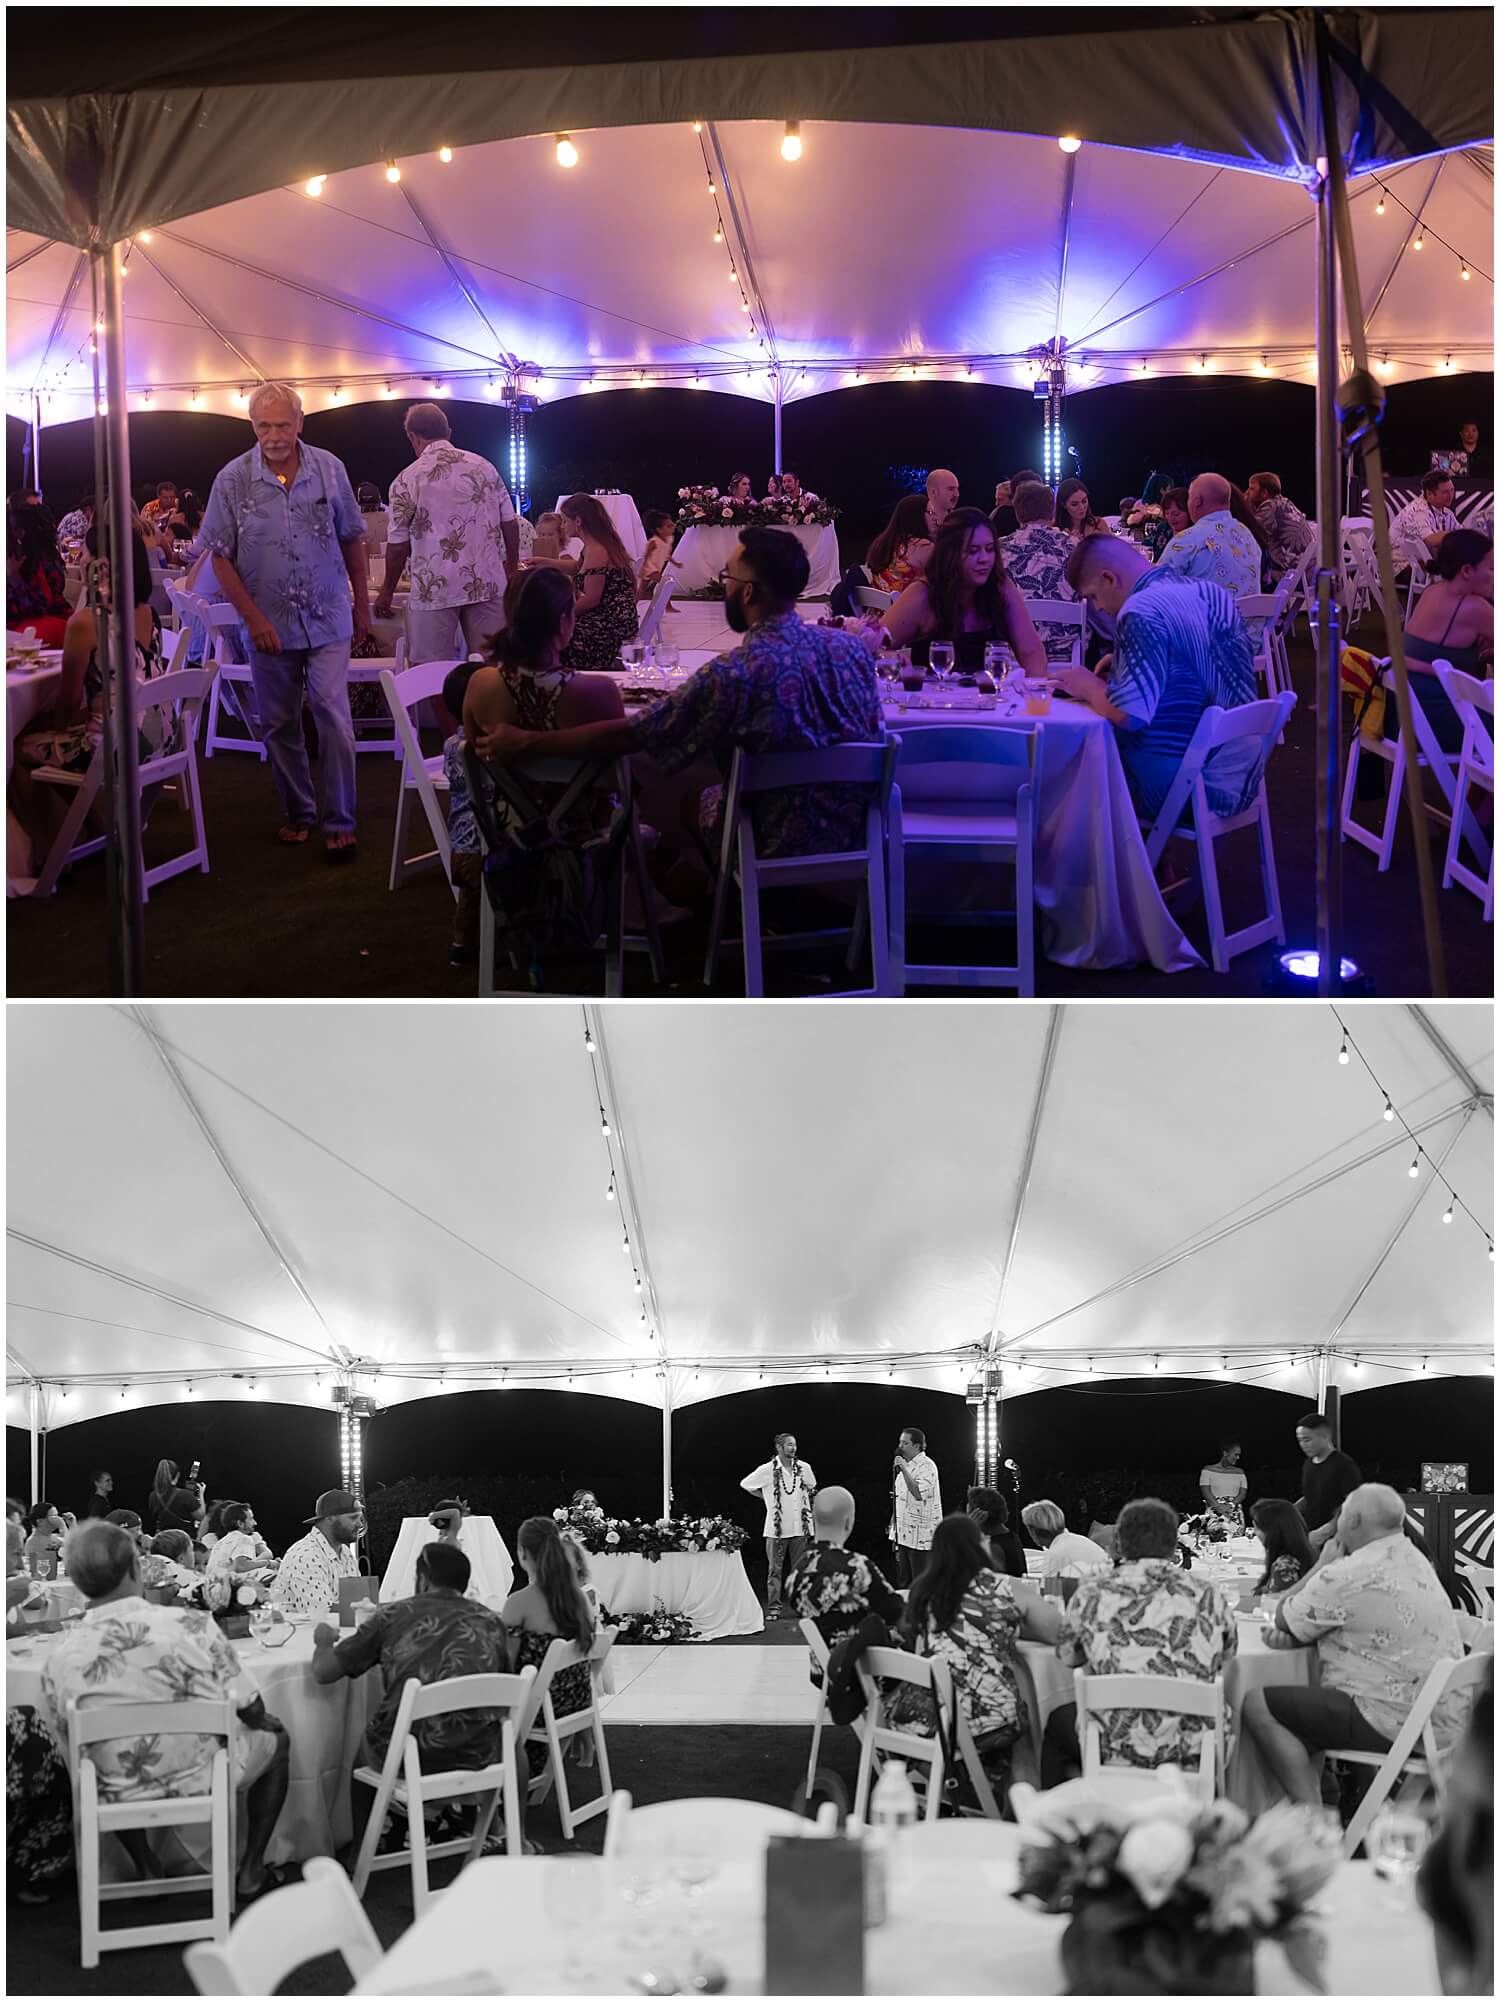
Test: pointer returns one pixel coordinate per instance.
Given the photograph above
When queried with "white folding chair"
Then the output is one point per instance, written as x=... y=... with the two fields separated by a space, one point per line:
x=1431 y=757
x=1361 y=574
x=1472 y=701
x=178 y=697
x=1069 y=612
x=402 y=1784
x=554 y=1732
x=734 y=1824
x=422 y=778
x=93 y=1818
x=1416 y=584
x=298 y=1923
x=1414 y=1769
x=1176 y=1695
x=234 y=689
x=830 y=1784
x=1111 y=1786
x=881 y=1740
x=1262 y=722
x=371 y=673
x=967 y=792
x=1479 y=1582
x=863 y=768
x=869 y=599
x=650 y=627
x=1261 y=612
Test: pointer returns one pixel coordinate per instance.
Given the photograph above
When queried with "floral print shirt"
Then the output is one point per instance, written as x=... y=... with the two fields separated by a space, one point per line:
x=837 y=1588
x=463 y=830
x=1381 y=1621
x=286 y=542
x=432 y=1637
x=130 y=1651
x=1287 y=531
x=1149 y=1618
x=980 y=1650
x=917 y=1516
x=308 y=1581
x=788 y=686
x=1415 y=522
x=1218 y=549
x=449 y=504
x=1035 y=558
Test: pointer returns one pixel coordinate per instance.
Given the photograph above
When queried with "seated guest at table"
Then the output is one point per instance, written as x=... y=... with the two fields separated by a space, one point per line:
x=1144 y=1617
x=1215 y=547
x=789 y=686
x=1174 y=510
x=1286 y=529
x=35 y=593
x=966 y=597
x=44 y=1539
x=436 y=1634
x=549 y=1606
x=791 y=484
x=1180 y=648
x=659 y=528
x=1456 y=1881
x=739 y=488
x=38 y=1808
x=162 y=506
x=1283 y=1533
x=833 y=1586
x=239 y=1548
x=126 y=1650
x=1004 y=520
x=962 y=1611
x=989 y=1509
x=1222 y=1483
x=773 y=486
x=77 y=522
x=1074 y=514
x=942 y=497
x=1065 y=1554
x=605 y=615
x=1036 y=561
x=1377 y=1614
x=130 y=1522
x=1453 y=620
x=1417 y=531
x=1327 y=1476
x=167 y=1565
x=903 y=548
x=308 y=1581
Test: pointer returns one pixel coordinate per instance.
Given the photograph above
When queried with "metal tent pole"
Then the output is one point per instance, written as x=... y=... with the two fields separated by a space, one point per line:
x=36 y=441
x=33 y=1401
x=120 y=691
x=1326 y=613
x=776 y=407
x=666 y=1444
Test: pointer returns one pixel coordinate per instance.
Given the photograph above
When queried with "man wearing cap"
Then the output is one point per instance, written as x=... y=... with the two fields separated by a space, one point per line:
x=308 y=1581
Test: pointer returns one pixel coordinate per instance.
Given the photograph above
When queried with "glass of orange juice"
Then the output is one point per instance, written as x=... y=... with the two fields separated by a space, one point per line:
x=1036 y=695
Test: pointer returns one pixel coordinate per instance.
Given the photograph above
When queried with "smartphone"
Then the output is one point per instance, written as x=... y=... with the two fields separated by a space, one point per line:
x=193 y=1471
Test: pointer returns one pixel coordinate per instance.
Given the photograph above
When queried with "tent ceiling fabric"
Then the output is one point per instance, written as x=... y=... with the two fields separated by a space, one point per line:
x=1173 y=264
x=814 y=1191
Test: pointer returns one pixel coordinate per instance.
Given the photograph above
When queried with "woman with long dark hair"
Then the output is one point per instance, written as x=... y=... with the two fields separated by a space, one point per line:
x=164 y=1484
x=964 y=1612
x=903 y=548
x=966 y=597
x=605 y=615
x=549 y=1606
x=1075 y=512
x=988 y=1507
x=1289 y=1554
x=34 y=577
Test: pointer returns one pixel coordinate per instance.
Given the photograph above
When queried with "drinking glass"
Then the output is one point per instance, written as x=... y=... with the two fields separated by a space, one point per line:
x=1036 y=695
x=632 y=656
x=572 y=1887
x=667 y=658
x=1396 y=1841
x=940 y=654
x=995 y=660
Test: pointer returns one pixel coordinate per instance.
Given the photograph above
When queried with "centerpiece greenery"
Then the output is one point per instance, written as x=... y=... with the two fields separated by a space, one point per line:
x=1168 y=1896
x=706 y=507
x=621 y=1536
x=654 y=1629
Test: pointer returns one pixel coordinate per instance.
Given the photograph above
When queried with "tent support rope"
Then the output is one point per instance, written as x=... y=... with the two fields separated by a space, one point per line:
x=1398 y=1233
x=193 y=307
x=1483 y=1099
x=1028 y=1158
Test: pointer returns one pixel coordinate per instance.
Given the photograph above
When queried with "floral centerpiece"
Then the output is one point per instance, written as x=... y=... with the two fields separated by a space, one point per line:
x=654 y=1629
x=1168 y=1896
x=706 y=507
x=229 y=1599
x=621 y=1536
x=1211 y=1526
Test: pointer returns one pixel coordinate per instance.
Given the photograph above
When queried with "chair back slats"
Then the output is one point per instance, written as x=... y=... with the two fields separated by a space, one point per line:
x=838 y=764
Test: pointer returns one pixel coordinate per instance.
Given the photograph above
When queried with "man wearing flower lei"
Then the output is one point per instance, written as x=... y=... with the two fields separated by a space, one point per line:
x=787 y=1485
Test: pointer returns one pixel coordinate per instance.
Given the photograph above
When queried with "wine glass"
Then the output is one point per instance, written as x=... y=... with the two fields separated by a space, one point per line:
x=1396 y=1841
x=260 y=1620
x=632 y=657
x=940 y=657
x=667 y=659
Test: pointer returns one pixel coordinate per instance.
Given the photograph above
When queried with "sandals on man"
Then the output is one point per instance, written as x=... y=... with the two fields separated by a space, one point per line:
x=340 y=847
x=295 y=834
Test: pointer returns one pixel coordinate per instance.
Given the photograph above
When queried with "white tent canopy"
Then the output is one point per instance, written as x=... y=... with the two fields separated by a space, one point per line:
x=932 y=224
x=251 y=1201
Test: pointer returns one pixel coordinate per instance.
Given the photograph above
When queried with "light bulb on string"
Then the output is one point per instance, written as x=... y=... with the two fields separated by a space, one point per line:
x=1390 y=1110
x=1344 y=1051
x=609 y=1193
x=566 y=151
x=314 y=186
x=1463 y=269
x=791 y=140
x=445 y=154
x=1380 y=205
x=588 y=1039
x=625 y=1246
x=604 y=1122
x=1448 y=1213
x=392 y=172
x=718 y=233
x=638 y=1282
x=1416 y=1165
x=1418 y=240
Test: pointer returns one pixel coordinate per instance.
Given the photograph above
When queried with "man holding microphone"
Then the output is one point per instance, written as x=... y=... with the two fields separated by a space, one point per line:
x=918 y=1505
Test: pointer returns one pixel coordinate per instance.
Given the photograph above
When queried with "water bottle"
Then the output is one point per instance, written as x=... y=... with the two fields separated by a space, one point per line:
x=893 y=1810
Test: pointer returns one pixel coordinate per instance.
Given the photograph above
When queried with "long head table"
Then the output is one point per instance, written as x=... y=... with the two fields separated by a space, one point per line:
x=953 y=1930
x=709 y=1586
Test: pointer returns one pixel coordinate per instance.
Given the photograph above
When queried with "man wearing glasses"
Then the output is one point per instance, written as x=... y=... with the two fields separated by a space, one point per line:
x=308 y=1581
x=788 y=686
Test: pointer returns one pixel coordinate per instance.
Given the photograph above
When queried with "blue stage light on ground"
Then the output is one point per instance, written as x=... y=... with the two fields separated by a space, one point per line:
x=1303 y=965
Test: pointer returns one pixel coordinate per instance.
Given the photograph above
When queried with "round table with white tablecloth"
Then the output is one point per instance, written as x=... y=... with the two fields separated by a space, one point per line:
x=491 y=1571
x=709 y=1586
x=325 y=1723
x=703 y=552
x=626 y=517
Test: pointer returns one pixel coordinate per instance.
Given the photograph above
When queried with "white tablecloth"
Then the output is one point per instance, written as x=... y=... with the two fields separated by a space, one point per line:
x=324 y=1722
x=953 y=1930
x=710 y=1586
x=490 y=1568
x=27 y=692
x=626 y=517
x=703 y=553
x=1093 y=885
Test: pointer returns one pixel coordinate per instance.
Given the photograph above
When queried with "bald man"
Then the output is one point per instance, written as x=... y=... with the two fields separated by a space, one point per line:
x=1375 y=1610
x=1215 y=546
x=942 y=497
x=834 y=1586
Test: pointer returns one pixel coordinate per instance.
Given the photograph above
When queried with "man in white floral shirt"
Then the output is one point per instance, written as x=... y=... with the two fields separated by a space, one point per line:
x=1417 y=531
x=452 y=517
x=918 y=1507
x=125 y=1650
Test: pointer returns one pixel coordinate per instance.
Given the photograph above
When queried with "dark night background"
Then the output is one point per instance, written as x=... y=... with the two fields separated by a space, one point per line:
x=1089 y=1448
x=855 y=446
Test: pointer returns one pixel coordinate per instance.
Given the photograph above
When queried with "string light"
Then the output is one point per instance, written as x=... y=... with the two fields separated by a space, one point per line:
x=1463 y=269
x=718 y=233
x=445 y=154
x=1417 y=241
x=1448 y=1213
x=1068 y=143
x=697 y=124
x=1416 y=1165
x=567 y=152
x=791 y=140
x=145 y=237
x=1344 y=1051
x=609 y=1193
x=1380 y=205
x=588 y=1039
x=603 y=1122
x=1390 y=1110
x=314 y=187
x=392 y=172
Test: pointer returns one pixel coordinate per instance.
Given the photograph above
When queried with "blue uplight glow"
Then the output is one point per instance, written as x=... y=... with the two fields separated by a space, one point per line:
x=1304 y=966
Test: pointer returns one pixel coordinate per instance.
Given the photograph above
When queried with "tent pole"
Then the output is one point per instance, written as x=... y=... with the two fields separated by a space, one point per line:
x=33 y=1400
x=666 y=1444
x=36 y=441
x=1330 y=1410
x=120 y=681
x=776 y=409
x=1326 y=617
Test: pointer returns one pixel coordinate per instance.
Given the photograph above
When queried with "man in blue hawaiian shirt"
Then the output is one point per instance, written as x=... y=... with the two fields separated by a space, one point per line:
x=1215 y=547
x=288 y=546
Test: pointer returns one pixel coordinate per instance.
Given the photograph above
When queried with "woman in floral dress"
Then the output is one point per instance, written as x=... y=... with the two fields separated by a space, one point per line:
x=549 y=1606
x=605 y=616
